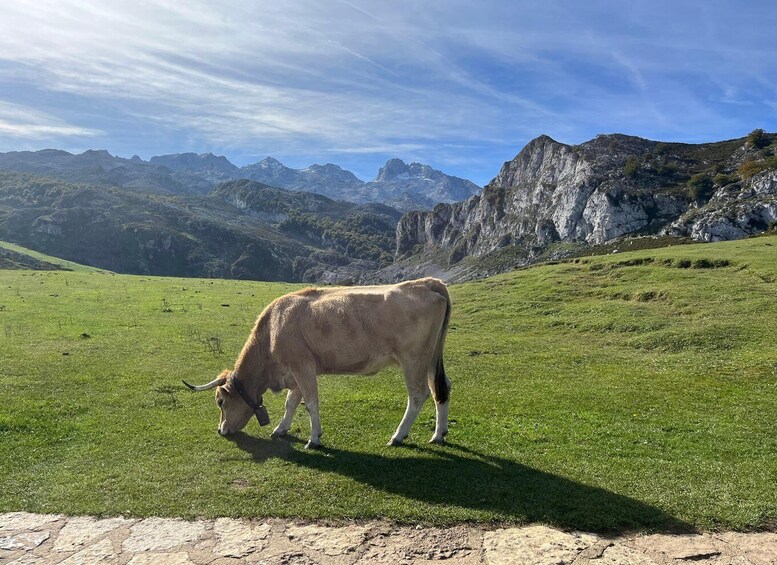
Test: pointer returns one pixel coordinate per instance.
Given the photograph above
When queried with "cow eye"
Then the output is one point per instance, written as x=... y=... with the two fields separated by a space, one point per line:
x=220 y=401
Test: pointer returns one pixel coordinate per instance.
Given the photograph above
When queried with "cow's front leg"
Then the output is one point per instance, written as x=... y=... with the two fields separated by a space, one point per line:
x=293 y=399
x=309 y=389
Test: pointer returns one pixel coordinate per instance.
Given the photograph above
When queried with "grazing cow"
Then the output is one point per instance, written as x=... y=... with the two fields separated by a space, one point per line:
x=356 y=330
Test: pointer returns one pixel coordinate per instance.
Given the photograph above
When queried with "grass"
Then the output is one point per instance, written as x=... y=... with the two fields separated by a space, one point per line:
x=62 y=263
x=635 y=391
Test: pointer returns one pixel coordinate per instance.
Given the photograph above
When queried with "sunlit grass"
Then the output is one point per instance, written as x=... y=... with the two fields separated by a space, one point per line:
x=610 y=393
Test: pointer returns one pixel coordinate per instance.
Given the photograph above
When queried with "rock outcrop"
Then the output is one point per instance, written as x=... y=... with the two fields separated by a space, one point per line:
x=735 y=211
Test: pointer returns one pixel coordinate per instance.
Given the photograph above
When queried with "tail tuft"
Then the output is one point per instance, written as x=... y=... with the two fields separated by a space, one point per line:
x=442 y=387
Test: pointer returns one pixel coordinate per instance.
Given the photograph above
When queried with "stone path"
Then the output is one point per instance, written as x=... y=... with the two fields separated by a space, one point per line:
x=32 y=539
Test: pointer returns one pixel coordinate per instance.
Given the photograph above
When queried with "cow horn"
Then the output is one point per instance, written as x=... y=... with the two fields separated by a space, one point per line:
x=212 y=384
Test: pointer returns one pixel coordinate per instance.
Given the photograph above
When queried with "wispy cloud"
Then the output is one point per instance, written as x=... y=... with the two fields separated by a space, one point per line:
x=27 y=123
x=357 y=82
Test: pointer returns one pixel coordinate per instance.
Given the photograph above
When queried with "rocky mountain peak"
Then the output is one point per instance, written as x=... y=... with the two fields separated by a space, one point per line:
x=271 y=163
x=617 y=145
x=416 y=186
x=216 y=167
x=53 y=153
x=97 y=153
x=217 y=161
x=333 y=171
x=391 y=170
x=542 y=139
x=543 y=159
x=325 y=167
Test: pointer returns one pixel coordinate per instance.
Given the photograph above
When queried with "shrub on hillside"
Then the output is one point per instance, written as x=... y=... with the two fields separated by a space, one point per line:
x=757 y=139
x=722 y=179
x=700 y=187
x=632 y=167
x=750 y=168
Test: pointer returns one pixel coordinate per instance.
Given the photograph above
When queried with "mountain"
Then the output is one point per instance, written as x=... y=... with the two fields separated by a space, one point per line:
x=415 y=186
x=207 y=165
x=404 y=187
x=329 y=180
x=103 y=169
x=244 y=229
x=553 y=199
x=169 y=216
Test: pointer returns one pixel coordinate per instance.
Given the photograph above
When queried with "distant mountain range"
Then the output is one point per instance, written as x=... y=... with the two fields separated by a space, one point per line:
x=404 y=187
x=200 y=215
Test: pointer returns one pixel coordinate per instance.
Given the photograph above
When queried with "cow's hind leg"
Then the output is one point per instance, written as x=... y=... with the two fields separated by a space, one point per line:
x=417 y=393
x=441 y=424
x=293 y=398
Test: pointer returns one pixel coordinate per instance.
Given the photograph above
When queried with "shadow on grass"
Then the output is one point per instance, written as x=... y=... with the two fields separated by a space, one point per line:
x=456 y=475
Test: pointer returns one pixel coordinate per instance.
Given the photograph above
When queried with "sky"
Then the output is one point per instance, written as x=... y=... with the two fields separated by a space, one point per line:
x=458 y=85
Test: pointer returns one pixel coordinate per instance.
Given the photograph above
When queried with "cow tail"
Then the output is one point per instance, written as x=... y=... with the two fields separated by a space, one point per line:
x=442 y=385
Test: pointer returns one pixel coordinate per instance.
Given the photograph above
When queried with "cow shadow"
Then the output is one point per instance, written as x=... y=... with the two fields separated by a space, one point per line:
x=459 y=476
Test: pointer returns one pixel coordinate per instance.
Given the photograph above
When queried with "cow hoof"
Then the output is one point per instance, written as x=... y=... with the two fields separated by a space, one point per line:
x=311 y=445
x=279 y=433
x=395 y=441
x=440 y=440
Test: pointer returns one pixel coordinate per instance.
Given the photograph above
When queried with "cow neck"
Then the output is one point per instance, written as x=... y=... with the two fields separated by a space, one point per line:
x=243 y=393
x=250 y=367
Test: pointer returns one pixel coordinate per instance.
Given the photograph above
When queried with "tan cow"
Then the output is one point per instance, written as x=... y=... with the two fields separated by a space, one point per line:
x=356 y=330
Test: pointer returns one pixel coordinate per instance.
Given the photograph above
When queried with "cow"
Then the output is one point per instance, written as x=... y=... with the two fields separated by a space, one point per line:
x=340 y=330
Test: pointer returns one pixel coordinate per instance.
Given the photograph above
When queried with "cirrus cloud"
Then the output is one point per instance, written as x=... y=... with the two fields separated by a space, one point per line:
x=449 y=83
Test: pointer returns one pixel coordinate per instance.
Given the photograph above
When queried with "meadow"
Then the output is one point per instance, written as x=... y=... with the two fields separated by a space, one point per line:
x=634 y=391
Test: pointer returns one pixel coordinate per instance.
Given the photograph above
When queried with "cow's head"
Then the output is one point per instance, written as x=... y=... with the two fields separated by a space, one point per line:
x=235 y=404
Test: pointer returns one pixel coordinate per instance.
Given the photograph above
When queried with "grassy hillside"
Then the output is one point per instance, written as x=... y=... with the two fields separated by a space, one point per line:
x=631 y=391
x=30 y=259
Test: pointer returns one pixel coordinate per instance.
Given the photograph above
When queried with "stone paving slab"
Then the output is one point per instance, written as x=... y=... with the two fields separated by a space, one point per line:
x=40 y=539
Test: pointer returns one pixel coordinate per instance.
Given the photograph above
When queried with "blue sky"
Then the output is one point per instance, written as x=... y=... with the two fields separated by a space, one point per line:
x=462 y=86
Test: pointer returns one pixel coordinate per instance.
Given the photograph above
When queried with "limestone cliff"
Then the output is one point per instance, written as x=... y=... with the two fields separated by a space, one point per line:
x=610 y=187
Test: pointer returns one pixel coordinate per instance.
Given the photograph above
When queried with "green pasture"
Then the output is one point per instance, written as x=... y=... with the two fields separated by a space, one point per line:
x=635 y=391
